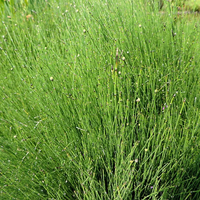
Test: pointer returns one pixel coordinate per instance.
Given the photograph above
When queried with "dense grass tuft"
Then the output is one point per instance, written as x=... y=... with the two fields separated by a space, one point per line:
x=99 y=100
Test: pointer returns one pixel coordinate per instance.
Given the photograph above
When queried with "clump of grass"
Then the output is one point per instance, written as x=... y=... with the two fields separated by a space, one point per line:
x=100 y=102
x=193 y=5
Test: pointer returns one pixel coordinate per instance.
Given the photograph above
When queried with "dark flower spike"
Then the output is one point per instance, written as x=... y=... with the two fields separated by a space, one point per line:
x=117 y=58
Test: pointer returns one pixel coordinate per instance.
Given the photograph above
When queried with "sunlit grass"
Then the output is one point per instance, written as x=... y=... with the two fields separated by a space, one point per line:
x=99 y=101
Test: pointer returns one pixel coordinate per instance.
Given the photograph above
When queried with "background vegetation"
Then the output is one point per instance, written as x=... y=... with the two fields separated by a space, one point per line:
x=99 y=100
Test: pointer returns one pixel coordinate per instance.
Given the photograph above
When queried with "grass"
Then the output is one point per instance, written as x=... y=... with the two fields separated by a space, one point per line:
x=98 y=101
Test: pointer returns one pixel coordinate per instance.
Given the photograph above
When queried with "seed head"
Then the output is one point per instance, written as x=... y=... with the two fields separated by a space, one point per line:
x=138 y=100
x=29 y=17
